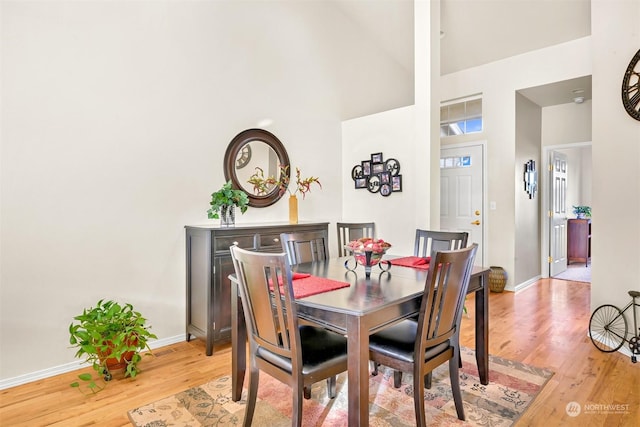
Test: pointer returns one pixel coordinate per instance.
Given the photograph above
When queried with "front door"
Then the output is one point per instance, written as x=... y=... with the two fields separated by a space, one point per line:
x=462 y=193
x=557 y=213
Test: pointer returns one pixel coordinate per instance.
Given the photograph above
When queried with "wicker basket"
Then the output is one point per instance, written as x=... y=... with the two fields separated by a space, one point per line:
x=497 y=279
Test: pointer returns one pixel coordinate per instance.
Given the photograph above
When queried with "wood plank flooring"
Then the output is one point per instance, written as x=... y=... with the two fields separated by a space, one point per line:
x=544 y=325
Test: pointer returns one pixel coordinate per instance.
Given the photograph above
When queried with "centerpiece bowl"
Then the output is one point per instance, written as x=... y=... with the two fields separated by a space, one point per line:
x=367 y=252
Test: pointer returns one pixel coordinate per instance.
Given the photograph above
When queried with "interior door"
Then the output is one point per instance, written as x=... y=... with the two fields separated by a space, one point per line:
x=462 y=193
x=557 y=213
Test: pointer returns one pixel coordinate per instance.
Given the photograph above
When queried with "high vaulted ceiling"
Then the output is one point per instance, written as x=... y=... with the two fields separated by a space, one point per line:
x=477 y=32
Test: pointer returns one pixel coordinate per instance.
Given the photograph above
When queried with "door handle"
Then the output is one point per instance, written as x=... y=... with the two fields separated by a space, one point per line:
x=476 y=222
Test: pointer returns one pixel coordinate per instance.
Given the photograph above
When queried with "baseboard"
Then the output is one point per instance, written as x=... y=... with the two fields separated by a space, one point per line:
x=526 y=284
x=624 y=349
x=72 y=366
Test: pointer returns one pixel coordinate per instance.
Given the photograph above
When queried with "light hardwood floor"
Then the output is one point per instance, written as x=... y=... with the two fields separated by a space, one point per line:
x=544 y=325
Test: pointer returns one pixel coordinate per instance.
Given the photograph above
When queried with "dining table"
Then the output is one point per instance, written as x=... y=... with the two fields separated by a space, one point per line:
x=369 y=303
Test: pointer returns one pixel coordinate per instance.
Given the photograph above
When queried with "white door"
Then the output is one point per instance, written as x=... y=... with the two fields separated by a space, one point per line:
x=557 y=213
x=462 y=193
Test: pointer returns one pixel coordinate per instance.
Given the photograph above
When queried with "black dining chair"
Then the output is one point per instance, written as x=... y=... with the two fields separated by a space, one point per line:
x=297 y=355
x=348 y=231
x=427 y=242
x=307 y=246
x=421 y=346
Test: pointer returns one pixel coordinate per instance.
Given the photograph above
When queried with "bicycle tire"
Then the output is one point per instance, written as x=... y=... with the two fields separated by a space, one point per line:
x=608 y=328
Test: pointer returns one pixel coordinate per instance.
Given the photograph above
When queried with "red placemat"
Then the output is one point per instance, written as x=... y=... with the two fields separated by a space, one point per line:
x=305 y=285
x=412 y=261
x=313 y=285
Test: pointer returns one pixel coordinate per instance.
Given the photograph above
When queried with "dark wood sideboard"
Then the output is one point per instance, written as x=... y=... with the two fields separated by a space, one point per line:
x=208 y=266
x=579 y=240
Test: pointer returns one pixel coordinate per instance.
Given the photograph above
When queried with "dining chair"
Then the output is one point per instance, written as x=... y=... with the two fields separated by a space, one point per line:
x=297 y=355
x=428 y=242
x=307 y=246
x=348 y=231
x=420 y=346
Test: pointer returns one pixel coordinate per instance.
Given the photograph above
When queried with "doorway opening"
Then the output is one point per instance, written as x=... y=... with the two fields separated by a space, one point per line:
x=578 y=192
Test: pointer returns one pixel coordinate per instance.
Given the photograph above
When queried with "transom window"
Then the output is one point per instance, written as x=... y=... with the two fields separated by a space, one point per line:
x=461 y=117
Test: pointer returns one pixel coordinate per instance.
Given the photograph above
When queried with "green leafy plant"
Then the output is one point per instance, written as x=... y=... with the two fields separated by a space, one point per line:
x=227 y=196
x=262 y=185
x=582 y=210
x=109 y=333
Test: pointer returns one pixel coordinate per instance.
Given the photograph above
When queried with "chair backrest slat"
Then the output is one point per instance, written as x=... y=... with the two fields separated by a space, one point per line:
x=428 y=242
x=444 y=295
x=348 y=231
x=305 y=247
x=267 y=297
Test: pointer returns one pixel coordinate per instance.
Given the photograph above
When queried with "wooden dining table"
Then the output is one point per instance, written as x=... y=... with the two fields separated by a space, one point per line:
x=366 y=306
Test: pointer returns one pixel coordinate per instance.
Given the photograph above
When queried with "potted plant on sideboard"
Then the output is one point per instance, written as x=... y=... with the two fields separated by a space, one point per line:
x=582 y=211
x=224 y=201
x=109 y=336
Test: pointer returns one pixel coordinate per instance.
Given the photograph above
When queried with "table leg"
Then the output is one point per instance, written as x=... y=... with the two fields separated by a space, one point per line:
x=482 y=329
x=238 y=344
x=358 y=372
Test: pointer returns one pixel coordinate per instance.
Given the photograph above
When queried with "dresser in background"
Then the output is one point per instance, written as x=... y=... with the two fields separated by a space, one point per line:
x=209 y=264
x=579 y=240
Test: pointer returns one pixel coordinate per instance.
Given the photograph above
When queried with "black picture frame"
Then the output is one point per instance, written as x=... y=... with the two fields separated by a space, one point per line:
x=360 y=182
x=377 y=168
x=396 y=183
x=385 y=177
x=373 y=183
x=366 y=167
x=392 y=166
x=385 y=190
x=376 y=158
x=357 y=172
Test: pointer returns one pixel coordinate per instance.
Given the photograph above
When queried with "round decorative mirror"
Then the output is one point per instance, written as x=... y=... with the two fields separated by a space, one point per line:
x=251 y=149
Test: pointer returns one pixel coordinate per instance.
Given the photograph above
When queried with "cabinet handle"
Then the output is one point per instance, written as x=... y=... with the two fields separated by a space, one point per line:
x=276 y=240
x=235 y=243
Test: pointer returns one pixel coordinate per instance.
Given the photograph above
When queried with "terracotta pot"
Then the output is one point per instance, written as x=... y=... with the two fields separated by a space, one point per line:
x=112 y=363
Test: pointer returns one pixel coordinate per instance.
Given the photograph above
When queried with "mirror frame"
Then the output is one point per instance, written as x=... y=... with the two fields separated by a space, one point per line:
x=230 y=156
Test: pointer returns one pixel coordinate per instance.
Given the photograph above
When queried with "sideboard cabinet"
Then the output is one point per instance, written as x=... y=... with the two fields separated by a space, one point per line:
x=209 y=264
x=579 y=240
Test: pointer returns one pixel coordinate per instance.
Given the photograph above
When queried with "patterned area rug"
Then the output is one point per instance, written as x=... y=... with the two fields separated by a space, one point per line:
x=512 y=388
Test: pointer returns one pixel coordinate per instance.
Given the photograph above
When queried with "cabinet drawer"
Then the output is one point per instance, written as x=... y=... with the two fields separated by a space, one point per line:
x=222 y=243
x=270 y=242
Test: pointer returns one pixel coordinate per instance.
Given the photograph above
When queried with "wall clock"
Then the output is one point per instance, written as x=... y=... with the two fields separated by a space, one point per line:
x=244 y=157
x=631 y=87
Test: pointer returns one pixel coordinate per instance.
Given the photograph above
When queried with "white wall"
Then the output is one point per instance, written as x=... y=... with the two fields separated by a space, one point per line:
x=566 y=123
x=115 y=119
x=392 y=134
x=616 y=155
x=527 y=219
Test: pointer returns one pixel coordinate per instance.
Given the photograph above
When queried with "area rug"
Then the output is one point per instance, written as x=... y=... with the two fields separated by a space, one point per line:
x=512 y=388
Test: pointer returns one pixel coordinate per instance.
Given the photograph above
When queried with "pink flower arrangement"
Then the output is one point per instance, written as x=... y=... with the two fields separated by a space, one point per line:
x=367 y=244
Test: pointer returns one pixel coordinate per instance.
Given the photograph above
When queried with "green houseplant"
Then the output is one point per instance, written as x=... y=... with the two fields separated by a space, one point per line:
x=109 y=336
x=224 y=200
x=582 y=211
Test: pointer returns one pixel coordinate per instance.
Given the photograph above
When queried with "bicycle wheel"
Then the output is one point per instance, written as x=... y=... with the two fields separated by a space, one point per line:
x=608 y=328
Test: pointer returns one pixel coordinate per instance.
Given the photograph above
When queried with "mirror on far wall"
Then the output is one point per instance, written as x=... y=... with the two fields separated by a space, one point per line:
x=251 y=149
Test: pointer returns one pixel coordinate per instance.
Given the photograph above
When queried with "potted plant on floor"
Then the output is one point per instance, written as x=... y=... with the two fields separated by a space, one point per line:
x=109 y=336
x=224 y=201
